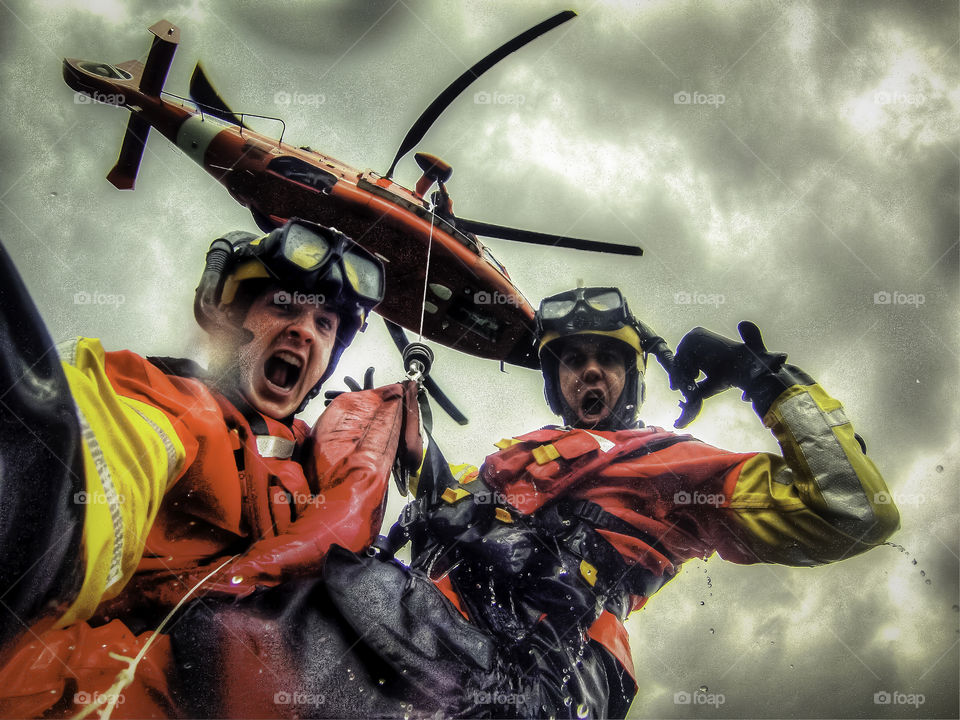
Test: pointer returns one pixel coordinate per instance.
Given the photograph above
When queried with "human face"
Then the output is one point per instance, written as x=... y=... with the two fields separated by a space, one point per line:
x=288 y=354
x=592 y=372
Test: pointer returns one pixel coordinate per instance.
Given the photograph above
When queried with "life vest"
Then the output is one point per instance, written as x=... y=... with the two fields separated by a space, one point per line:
x=620 y=484
x=335 y=494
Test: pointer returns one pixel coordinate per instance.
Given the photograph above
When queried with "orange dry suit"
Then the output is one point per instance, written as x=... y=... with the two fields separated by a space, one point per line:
x=177 y=480
x=610 y=516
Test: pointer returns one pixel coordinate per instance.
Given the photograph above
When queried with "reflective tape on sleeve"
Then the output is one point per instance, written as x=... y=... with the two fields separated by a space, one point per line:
x=832 y=472
x=112 y=498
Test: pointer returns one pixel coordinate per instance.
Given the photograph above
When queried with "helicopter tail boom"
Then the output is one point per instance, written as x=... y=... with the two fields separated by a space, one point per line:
x=166 y=37
x=128 y=85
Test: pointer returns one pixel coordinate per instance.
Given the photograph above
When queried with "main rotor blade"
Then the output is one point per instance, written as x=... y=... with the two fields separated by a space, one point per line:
x=429 y=116
x=210 y=102
x=538 y=238
x=400 y=339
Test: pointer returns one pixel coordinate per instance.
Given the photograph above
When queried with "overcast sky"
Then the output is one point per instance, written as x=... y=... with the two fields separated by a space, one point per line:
x=812 y=175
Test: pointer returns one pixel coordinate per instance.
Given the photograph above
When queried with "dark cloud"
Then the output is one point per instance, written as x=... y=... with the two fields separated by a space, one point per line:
x=797 y=198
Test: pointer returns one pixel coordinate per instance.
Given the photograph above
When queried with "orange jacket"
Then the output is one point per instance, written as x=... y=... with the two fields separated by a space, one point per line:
x=177 y=483
x=674 y=498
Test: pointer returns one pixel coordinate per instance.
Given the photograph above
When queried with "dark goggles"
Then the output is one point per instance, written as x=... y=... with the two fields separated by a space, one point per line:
x=594 y=308
x=304 y=254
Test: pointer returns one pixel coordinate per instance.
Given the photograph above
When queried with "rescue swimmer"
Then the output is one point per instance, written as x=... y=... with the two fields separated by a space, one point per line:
x=129 y=481
x=523 y=571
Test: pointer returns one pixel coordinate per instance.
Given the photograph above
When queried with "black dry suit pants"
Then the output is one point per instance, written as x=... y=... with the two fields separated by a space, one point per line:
x=375 y=639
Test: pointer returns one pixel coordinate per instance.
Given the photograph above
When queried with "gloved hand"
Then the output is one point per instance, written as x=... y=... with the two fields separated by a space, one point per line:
x=354 y=386
x=726 y=363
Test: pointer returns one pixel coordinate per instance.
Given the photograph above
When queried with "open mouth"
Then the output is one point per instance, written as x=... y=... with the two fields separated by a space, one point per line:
x=282 y=369
x=592 y=403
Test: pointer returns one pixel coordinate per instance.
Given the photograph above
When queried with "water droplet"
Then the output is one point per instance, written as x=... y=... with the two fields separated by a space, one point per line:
x=703 y=688
x=582 y=710
x=923 y=573
x=702 y=603
x=939 y=467
x=568 y=701
x=927 y=581
x=187 y=666
x=712 y=631
x=791 y=667
x=913 y=562
x=350 y=674
x=381 y=681
x=956 y=608
x=236 y=579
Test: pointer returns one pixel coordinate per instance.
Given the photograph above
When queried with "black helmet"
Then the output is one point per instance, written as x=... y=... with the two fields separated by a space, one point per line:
x=600 y=311
x=298 y=257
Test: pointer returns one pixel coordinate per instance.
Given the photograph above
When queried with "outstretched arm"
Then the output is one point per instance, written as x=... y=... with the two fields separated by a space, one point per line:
x=824 y=499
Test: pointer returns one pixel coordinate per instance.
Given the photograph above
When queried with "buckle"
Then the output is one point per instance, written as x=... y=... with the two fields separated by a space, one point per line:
x=589 y=511
x=411 y=513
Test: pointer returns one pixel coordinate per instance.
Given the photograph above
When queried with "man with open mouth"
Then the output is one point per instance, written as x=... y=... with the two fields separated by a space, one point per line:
x=130 y=482
x=566 y=530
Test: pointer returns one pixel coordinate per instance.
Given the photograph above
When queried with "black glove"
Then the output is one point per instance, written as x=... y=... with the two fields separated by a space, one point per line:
x=761 y=375
x=354 y=386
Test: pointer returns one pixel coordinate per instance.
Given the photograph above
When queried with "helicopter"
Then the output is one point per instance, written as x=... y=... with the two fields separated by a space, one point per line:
x=441 y=280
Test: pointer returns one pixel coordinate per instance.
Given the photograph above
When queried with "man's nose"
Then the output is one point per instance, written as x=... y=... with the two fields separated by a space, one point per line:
x=592 y=371
x=303 y=328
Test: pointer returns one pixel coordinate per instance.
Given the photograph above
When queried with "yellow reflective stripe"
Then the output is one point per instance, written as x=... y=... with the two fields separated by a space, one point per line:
x=544 y=454
x=131 y=455
x=464 y=472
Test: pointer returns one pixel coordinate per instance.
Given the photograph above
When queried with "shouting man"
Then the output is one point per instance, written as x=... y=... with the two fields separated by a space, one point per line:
x=129 y=482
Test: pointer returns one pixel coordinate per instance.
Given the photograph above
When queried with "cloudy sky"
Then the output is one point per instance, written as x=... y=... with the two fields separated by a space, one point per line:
x=792 y=163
